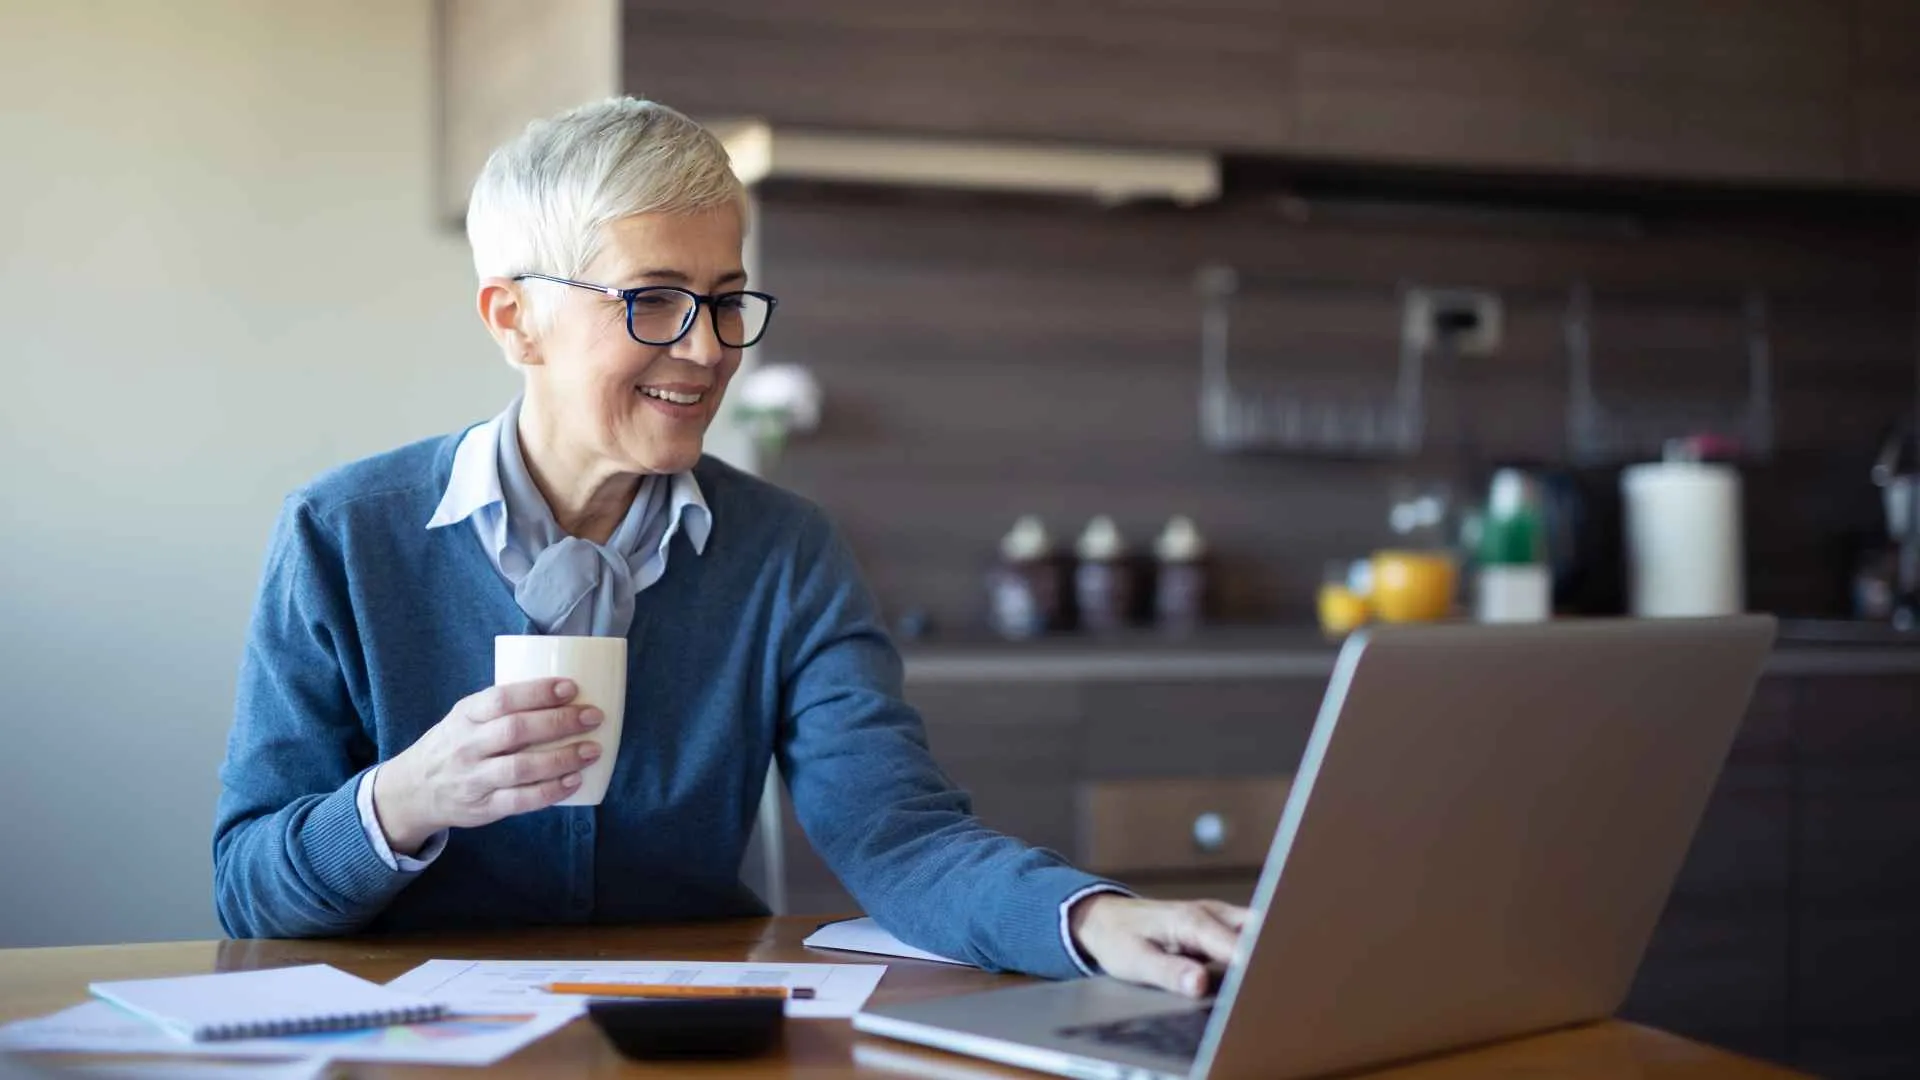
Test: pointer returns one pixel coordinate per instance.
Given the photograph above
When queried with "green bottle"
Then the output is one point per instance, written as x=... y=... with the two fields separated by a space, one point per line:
x=1515 y=582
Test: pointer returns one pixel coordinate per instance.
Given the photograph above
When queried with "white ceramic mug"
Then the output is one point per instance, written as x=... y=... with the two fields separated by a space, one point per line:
x=598 y=665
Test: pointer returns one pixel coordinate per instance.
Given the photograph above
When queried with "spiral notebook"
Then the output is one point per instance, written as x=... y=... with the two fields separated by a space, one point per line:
x=263 y=1004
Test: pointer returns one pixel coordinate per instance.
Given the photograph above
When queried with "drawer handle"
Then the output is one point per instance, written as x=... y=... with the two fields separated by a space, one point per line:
x=1210 y=833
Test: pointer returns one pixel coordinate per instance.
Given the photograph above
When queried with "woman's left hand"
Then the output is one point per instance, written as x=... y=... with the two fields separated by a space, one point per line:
x=1165 y=943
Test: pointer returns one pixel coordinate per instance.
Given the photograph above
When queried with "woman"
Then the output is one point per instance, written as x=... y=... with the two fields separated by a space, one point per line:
x=374 y=781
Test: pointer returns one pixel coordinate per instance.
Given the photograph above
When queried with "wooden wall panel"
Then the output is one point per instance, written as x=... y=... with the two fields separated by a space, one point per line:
x=984 y=358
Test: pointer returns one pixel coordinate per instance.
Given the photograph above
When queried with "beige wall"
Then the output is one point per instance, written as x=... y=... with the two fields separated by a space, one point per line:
x=219 y=274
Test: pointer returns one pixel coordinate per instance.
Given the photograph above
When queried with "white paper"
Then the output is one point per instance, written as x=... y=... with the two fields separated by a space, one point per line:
x=500 y=985
x=303 y=1069
x=468 y=1037
x=865 y=936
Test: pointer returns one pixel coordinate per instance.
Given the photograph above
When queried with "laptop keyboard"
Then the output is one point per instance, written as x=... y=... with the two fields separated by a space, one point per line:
x=1175 y=1035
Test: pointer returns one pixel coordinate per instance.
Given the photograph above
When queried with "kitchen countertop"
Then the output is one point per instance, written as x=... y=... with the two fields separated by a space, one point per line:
x=1806 y=647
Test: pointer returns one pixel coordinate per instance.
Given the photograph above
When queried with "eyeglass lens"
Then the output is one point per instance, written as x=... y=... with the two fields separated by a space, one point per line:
x=662 y=316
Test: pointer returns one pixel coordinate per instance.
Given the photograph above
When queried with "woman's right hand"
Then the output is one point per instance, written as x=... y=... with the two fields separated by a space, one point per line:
x=479 y=764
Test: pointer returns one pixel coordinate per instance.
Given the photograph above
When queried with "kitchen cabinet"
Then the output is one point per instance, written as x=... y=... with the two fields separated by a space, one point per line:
x=1181 y=834
x=1788 y=92
x=1095 y=73
x=1682 y=89
x=1723 y=979
x=1190 y=727
x=1719 y=966
x=1857 y=876
x=1039 y=759
x=1802 y=92
x=1886 y=97
x=1182 y=781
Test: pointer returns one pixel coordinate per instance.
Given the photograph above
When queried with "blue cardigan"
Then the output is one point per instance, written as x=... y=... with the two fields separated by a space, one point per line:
x=369 y=627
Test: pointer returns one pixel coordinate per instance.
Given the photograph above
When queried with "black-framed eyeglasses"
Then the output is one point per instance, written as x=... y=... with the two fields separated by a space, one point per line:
x=662 y=314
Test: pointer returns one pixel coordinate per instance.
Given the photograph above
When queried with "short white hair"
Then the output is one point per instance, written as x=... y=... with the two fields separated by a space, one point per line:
x=543 y=201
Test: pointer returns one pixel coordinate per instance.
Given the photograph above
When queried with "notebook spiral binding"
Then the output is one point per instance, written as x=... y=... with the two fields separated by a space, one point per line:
x=269 y=1029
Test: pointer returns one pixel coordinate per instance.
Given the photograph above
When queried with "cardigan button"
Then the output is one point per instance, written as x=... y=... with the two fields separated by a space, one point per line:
x=582 y=825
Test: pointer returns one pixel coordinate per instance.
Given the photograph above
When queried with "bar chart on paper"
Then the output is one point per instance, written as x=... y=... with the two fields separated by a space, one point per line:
x=506 y=985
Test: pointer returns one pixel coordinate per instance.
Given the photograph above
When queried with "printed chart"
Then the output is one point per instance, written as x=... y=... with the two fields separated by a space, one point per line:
x=501 y=986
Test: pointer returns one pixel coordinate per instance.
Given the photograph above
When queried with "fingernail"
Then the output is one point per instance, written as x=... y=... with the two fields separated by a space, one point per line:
x=1194 y=984
x=589 y=751
x=564 y=688
x=591 y=717
x=571 y=780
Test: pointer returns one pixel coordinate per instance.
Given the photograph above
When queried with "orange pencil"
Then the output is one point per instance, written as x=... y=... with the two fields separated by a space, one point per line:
x=677 y=990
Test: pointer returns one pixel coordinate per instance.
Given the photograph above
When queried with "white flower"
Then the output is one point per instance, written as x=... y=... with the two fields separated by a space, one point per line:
x=788 y=392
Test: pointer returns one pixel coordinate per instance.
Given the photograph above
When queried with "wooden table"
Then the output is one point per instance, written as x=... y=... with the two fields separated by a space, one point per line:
x=35 y=982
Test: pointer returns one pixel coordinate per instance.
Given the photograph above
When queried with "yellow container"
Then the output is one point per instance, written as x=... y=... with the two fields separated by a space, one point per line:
x=1413 y=586
x=1341 y=609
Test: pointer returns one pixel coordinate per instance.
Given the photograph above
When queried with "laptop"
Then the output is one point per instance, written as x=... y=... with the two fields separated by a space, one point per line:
x=1482 y=834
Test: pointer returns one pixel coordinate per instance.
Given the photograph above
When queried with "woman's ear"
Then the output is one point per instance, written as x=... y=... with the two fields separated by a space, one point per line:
x=508 y=319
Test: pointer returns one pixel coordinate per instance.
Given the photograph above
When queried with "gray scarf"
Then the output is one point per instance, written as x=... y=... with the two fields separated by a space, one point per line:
x=575 y=586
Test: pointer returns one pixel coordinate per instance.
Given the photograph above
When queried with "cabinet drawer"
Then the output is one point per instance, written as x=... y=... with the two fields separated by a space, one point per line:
x=1719 y=978
x=1209 y=727
x=1180 y=825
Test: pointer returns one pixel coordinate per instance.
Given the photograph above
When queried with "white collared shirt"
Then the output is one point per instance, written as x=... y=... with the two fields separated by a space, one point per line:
x=473 y=494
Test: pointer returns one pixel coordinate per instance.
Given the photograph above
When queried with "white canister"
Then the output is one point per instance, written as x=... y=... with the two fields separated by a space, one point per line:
x=1685 y=552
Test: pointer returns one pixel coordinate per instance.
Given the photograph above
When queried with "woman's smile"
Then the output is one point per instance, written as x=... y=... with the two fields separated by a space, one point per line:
x=677 y=401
